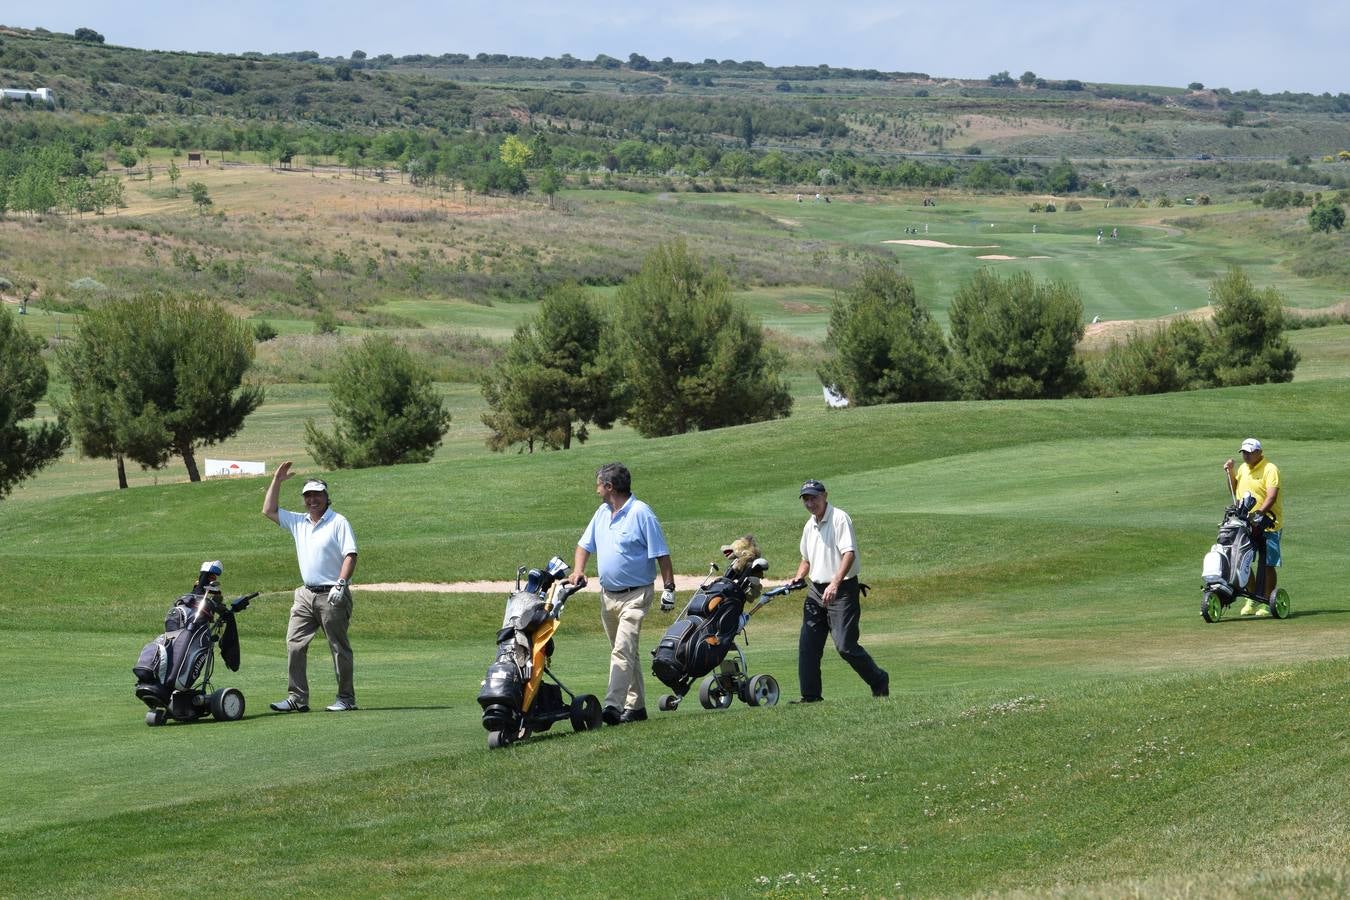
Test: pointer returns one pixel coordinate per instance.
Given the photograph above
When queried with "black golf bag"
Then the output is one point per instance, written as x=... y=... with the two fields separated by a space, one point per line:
x=173 y=672
x=697 y=643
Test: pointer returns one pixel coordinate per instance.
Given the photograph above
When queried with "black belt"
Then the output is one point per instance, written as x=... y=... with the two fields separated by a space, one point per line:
x=624 y=590
x=319 y=588
x=822 y=585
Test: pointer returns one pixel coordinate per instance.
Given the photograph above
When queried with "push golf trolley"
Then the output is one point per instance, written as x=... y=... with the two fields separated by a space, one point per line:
x=702 y=644
x=516 y=699
x=173 y=672
x=1227 y=569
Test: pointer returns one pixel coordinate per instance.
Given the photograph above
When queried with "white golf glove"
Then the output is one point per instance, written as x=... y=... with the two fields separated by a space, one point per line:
x=667 y=600
x=338 y=592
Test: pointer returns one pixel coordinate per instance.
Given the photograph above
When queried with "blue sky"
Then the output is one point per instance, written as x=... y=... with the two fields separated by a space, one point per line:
x=1239 y=44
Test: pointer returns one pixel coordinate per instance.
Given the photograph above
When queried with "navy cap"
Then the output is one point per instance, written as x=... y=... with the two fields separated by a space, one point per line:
x=811 y=487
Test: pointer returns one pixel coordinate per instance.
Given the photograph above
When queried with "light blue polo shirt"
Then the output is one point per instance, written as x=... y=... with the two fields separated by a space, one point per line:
x=625 y=544
x=320 y=546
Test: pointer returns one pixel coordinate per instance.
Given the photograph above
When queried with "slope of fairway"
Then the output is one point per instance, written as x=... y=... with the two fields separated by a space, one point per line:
x=1061 y=720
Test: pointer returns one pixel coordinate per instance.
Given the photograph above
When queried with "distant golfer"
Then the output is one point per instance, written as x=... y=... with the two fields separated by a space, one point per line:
x=326 y=550
x=1260 y=478
x=830 y=561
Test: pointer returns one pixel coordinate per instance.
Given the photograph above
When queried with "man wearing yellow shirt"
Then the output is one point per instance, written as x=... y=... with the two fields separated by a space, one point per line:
x=1260 y=478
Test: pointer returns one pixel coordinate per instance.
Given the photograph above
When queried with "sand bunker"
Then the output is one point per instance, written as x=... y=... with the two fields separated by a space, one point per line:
x=924 y=242
x=682 y=583
x=995 y=256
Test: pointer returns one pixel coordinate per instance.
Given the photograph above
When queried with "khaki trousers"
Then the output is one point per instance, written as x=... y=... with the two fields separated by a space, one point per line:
x=622 y=613
x=309 y=613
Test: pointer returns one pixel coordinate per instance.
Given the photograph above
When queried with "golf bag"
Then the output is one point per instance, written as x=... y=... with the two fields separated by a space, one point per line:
x=698 y=642
x=1227 y=566
x=515 y=698
x=173 y=672
x=701 y=643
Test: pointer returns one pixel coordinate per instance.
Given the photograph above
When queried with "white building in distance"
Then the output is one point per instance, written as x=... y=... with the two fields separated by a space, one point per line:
x=43 y=95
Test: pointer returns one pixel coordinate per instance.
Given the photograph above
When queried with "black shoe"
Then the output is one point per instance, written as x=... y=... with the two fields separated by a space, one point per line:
x=883 y=689
x=633 y=715
x=805 y=700
x=611 y=715
x=288 y=706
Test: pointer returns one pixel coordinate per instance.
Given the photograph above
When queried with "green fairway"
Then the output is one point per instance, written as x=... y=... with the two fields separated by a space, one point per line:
x=1061 y=720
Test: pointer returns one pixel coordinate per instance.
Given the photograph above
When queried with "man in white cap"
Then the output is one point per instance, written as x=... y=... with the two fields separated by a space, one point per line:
x=326 y=550
x=1259 y=477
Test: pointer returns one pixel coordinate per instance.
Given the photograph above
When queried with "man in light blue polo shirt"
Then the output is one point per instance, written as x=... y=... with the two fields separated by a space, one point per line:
x=629 y=545
x=326 y=550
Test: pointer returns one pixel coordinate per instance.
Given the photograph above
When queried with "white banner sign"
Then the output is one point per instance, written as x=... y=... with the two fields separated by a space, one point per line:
x=217 y=468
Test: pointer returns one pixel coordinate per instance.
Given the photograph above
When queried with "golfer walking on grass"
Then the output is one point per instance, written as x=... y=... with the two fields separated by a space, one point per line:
x=326 y=550
x=629 y=546
x=1259 y=477
x=832 y=608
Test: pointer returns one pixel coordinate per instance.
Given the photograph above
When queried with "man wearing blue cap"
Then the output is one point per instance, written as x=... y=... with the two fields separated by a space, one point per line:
x=830 y=562
x=326 y=550
x=1259 y=477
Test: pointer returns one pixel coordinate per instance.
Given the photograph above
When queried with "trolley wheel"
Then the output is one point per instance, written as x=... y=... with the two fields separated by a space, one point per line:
x=226 y=705
x=585 y=713
x=763 y=691
x=712 y=695
x=1279 y=604
x=497 y=740
x=156 y=717
x=1211 y=606
x=668 y=703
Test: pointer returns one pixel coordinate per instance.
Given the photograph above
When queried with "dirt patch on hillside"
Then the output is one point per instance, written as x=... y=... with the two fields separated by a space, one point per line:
x=1100 y=335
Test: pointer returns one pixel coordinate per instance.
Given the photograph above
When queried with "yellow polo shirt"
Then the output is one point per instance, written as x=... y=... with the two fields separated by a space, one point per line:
x=1259 y=481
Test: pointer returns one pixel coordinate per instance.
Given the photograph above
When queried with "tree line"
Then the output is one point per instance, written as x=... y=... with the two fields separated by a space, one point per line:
x=1016 y=338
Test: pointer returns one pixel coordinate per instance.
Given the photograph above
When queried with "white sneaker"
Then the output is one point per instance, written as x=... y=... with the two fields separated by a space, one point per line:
x=341 y=705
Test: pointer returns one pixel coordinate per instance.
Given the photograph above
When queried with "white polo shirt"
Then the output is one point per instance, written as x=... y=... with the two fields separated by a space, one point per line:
x=824 y=544
x=320 y=546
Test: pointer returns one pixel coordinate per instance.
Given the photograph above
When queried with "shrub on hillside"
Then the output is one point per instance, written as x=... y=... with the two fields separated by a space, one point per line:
x=1015 y=337
x=263 y=331
x=1250 y=346
x=1157 y=362
x=887 y=347
x=1073 y=206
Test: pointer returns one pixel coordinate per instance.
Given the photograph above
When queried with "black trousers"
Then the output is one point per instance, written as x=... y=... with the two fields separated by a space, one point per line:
x=839 y=620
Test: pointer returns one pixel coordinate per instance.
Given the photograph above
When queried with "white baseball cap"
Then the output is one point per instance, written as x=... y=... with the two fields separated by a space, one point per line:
x=315 y=484
x=1251 y=445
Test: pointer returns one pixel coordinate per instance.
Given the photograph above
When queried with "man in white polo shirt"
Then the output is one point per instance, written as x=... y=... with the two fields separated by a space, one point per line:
x=830 y=561
x=326 y=550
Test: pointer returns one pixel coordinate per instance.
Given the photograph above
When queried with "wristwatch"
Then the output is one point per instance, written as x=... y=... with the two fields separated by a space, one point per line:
x=341 y=583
